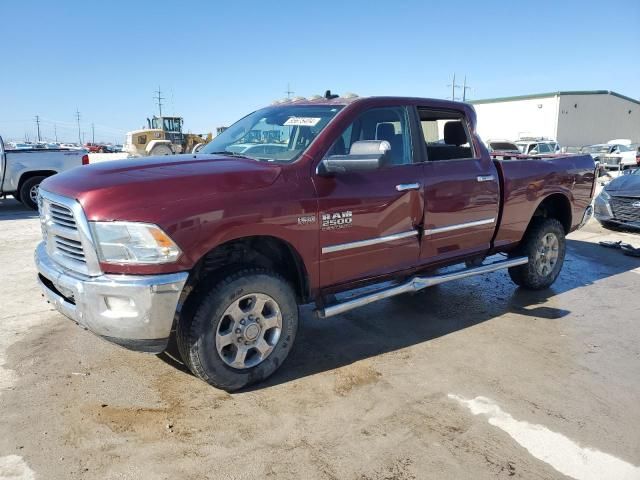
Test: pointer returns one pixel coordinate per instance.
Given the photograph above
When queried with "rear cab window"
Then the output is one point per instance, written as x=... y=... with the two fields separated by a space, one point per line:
x=446 y=134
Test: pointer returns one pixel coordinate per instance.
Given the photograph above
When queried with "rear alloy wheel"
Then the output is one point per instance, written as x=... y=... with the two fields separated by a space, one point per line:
x=242 y=330
x=29 y=192
x=544 y=245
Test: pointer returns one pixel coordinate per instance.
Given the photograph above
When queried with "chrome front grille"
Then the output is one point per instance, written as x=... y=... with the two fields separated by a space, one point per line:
x=626 y=209
x=66 y=234
x=62 y=216
x=70 y=248
x=614 y=161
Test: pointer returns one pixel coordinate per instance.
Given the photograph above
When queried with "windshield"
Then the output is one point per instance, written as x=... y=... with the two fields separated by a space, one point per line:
x=595 y=149
x=279 y=133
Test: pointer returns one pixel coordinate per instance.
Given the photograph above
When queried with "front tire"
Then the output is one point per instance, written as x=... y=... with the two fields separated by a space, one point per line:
x=29 y=192
x=242 y=330
x=545 y=246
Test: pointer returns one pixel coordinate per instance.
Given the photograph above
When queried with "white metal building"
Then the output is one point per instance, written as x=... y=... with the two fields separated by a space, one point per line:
x=572 y=118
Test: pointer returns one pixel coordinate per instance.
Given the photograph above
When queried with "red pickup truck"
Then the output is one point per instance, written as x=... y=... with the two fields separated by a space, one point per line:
x=338 y=193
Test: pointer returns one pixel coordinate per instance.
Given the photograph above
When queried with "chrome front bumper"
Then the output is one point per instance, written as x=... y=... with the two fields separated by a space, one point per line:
x=135 y=312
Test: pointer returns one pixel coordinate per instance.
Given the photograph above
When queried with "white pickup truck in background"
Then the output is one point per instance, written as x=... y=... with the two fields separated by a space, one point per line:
x=622 y=155
x=21 y=171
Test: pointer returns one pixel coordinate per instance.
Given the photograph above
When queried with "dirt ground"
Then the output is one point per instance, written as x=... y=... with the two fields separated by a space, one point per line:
x=471 y=379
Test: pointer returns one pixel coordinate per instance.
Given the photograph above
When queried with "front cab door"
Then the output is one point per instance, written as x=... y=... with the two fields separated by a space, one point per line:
x=369 y=220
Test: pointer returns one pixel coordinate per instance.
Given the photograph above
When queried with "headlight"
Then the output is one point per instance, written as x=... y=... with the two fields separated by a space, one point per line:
x=133 y=243
x=605 y=196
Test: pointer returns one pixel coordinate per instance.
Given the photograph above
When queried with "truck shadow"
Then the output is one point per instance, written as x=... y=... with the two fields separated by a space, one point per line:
x=11 y=209
x=406 y=320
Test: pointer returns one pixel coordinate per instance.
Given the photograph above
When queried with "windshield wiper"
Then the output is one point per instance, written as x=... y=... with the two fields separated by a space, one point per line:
x=241 y=155
x=232 y=154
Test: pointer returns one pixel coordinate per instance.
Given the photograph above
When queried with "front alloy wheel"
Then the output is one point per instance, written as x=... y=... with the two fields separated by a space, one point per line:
x=249 y=330
x=239 y=331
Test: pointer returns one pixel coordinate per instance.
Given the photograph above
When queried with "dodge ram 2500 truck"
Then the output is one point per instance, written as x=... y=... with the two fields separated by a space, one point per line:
x=225 y=244
x=21 y=171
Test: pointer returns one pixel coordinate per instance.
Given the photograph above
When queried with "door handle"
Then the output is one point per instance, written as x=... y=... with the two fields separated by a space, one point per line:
x=486 y=178
x=403 y=187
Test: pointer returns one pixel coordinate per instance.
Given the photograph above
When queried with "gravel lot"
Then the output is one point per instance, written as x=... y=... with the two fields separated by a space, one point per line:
x=473 y=379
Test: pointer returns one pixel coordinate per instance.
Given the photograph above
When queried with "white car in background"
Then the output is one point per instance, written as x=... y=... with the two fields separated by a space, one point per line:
x=538 y=147
x=72 y=146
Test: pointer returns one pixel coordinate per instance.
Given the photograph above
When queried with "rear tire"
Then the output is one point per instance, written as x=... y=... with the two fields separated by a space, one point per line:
x=29 y=192
x=242 y=330
x=544 y=244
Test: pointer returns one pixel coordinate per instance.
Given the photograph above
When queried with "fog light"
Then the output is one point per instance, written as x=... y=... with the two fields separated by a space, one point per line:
x=120 y=307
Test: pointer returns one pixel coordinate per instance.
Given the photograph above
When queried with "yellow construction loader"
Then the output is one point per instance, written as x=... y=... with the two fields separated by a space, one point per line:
x=163 y=136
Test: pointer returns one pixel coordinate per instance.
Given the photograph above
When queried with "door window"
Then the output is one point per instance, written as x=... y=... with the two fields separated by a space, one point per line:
x=445 y=134
x=387 y=123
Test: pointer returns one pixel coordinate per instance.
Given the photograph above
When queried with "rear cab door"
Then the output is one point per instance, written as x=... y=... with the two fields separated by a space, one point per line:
x=370 y=221
x=462 y=187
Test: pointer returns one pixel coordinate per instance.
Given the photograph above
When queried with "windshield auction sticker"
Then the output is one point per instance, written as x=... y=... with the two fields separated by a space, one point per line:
x=302 y=121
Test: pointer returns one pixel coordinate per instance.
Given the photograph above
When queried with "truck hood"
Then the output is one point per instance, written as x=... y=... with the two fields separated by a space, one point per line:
x=625 y=185
x=123 y=188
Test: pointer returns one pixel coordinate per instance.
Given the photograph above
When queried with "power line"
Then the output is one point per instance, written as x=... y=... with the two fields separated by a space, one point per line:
x=159 y=99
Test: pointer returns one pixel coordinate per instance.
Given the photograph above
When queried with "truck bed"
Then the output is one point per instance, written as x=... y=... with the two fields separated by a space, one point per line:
x=525 y=183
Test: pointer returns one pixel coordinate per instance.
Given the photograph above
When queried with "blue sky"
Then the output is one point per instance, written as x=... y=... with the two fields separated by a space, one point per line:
x=216 y=61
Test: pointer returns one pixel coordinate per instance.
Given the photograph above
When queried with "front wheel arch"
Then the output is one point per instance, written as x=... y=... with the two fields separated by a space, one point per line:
x=256 y=251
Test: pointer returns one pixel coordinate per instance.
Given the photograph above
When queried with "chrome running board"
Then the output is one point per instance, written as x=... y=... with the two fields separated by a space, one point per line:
x=418 y=283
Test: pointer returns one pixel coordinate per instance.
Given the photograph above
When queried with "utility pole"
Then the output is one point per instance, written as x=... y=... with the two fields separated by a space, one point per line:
x=78 y=120
x=38 y=126
x=159 y=99
x=55 y=131
x=464 y=89
x=453 y=86
x=289 y=92
x=93 y=133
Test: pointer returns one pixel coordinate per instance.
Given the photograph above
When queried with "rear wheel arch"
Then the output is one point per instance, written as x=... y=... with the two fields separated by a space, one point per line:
x=557 y=206
x=34 y=173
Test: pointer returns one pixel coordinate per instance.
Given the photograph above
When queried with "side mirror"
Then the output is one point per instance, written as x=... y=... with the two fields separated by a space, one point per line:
x=364 y=155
